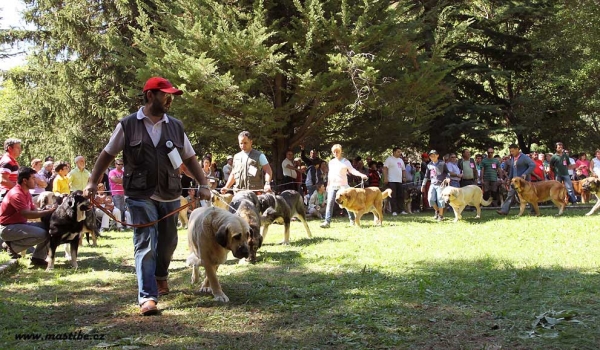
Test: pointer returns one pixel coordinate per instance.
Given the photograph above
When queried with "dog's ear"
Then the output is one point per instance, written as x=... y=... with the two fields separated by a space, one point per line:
x=222 y=235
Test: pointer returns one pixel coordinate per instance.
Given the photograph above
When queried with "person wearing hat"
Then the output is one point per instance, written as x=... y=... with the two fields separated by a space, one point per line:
x=154 y=147
x=519 y=165
x=436 y=173
x=228 y=167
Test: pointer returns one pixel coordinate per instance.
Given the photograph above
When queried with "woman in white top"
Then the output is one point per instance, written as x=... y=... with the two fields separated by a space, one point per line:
x=595 y=164
x=338 y=179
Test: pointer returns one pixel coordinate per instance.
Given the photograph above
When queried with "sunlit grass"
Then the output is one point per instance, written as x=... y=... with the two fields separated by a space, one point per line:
x=413 y=283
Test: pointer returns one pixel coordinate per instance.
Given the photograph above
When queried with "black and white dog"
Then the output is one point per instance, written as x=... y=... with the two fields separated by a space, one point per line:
x=66 y=225
x=281 y=209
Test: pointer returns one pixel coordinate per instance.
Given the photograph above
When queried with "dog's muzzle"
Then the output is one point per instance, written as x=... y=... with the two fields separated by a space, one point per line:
x=242 y=252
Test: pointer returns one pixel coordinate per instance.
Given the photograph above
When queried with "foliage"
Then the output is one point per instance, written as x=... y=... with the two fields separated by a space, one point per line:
x=444 y=74
x=293 y=71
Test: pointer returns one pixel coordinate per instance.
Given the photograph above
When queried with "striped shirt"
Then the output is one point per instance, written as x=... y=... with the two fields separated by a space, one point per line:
x=8 y=165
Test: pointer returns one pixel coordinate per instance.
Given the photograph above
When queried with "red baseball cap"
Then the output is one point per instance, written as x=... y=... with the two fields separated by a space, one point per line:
x=162 y=84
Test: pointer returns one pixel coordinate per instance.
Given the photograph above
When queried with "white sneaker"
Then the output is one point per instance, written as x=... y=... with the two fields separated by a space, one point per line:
x=394 y=214
x=404 y=213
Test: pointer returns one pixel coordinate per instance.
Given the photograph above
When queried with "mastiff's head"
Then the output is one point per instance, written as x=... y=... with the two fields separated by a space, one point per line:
x=449 y=194
x=346 y=197
x=591 y=184
x=518 y=183
x=234 y=236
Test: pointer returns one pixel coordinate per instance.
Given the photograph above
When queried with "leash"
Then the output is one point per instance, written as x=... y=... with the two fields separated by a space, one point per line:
x=217 y=194
x=107 y=212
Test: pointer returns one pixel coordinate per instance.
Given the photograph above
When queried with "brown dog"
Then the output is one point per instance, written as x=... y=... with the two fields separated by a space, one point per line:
x=578 y=189
x=592 y=186
x=212 y=233
x=536 y=192
x=363 y=200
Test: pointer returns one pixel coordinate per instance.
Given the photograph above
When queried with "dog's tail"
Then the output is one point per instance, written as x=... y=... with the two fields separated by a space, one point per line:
x=193 y=260
x=386 y=193
x=488 y=202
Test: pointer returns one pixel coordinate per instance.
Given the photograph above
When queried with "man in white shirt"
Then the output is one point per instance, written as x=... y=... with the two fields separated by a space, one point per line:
x=289 y=172
x=393 y=172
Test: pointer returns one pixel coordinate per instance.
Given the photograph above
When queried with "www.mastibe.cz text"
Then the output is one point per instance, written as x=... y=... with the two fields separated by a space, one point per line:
x=59 y=336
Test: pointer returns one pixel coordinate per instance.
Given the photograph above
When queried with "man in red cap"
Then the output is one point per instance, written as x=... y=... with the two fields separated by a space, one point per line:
x=154 y=147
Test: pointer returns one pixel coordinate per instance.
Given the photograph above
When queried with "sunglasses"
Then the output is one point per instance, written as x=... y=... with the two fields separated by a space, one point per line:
x=118 y=163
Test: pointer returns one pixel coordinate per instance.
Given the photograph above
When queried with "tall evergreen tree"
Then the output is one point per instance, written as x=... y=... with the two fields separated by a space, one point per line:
x=495 y=60
x=80 y=73
x=291 y=71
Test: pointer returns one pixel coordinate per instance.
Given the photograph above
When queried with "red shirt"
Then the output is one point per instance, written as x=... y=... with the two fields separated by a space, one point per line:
x=538 y=170
x=15 y=200
x=8 y=165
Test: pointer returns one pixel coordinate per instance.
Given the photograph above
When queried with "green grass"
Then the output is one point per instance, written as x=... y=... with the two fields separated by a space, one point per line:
x=411 y=284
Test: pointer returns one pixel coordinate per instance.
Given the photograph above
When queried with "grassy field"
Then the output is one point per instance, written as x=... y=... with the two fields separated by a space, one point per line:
x=494 y=283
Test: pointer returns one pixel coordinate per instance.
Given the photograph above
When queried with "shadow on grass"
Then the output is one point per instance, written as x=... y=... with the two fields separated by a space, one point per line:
x=432 y=305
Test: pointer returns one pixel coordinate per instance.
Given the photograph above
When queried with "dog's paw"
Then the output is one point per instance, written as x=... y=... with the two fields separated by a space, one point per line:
x=206 y=290
x=284 y=243
x=222 y=297
x=589 y=214
x=244 y=262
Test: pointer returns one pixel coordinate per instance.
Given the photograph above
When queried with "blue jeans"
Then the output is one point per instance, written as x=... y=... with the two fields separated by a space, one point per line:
x=330 y=203
x=510 y=197
x=119 y=201
x=435 y=196
x=153 y=245
x=566 y=179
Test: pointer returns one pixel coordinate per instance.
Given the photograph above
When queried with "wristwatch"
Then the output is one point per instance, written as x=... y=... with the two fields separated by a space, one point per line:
x=204 y=186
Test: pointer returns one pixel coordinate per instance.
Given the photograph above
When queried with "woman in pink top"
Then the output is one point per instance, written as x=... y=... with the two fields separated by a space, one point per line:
x=337 y=179
x=583 y=164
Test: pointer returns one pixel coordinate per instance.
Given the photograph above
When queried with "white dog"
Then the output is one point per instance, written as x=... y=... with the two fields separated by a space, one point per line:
x=459 y=198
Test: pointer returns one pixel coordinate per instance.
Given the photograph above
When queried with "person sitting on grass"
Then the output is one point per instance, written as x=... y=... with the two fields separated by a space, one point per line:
x=18 y=234
x=318 y=202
